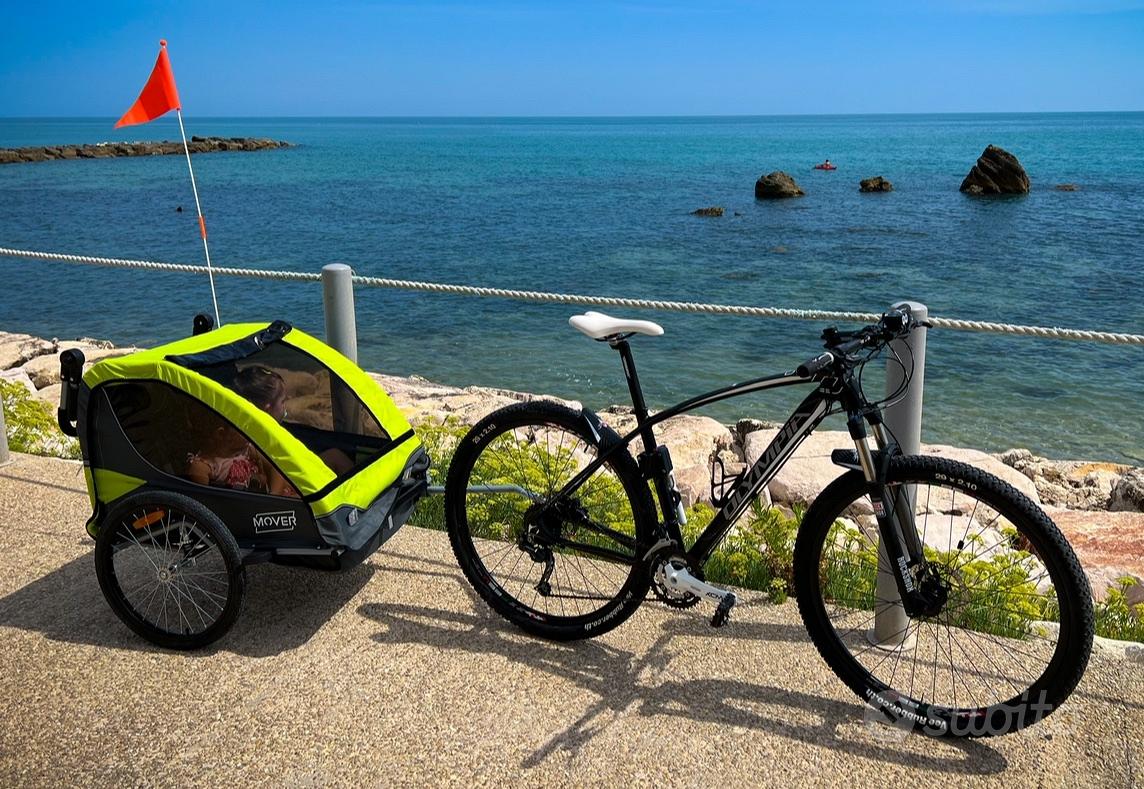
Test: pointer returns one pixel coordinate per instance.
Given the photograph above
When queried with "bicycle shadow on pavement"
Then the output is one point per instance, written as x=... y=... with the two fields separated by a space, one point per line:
x=627 y=683
x=284 y=608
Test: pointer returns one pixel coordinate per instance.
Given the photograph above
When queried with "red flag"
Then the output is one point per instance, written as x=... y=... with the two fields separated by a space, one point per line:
x=159 y=95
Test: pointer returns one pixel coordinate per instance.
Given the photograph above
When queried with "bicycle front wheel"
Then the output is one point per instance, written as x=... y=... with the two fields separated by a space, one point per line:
x=1011 y=637
x=561 y=567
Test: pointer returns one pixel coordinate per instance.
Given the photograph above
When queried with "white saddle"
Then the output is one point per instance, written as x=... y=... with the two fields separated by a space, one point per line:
x=597 y=325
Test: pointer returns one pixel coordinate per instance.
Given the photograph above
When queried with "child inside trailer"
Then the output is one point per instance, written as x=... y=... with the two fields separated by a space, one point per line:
x=266 y=388
x=228 y=460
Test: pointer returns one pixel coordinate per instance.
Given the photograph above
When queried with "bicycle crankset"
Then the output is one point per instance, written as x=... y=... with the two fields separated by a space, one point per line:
x=673 y=598
x=677 y=585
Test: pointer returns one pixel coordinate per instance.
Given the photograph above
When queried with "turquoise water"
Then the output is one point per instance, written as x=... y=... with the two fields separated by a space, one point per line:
x=601 y=206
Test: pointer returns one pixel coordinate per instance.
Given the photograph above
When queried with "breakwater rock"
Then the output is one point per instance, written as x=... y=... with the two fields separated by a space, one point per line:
x=997 y=172
x=875 y=184
x=106 y=150
x=776 y=185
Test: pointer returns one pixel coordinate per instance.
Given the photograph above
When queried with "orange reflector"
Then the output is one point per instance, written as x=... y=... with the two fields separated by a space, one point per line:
x=202 y=226
x=149 y=518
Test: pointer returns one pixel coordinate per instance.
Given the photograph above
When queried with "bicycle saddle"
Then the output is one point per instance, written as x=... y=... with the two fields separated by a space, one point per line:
x=597 y=325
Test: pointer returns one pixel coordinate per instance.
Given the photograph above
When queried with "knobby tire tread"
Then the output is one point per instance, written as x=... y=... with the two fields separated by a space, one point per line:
x=541 y=413
x=1067 y=666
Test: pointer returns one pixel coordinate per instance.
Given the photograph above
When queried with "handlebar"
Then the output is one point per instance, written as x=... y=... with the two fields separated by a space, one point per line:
x=893 y=324
x=813 y=367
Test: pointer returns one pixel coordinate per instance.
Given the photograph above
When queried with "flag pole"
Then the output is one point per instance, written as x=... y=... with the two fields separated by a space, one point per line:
x=202 y=222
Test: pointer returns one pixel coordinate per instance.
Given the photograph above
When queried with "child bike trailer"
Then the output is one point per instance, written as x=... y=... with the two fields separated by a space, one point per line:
x=242 y=444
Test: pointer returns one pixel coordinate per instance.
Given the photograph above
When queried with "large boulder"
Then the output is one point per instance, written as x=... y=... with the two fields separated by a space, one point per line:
x=16 y=349
x=50 y=394
x=1110 y=545
x=776 y=185
x=810 y=469
x=1075 y=484
x=419 y=399
x=997 y=172
x=1127 y=493
x=45 y=370
x=875 y=184
x=807 y=472
x=17 y=376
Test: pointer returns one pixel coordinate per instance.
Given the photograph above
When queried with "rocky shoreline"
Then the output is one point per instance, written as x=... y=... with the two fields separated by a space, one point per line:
x=1099 y=506
x=106 y=150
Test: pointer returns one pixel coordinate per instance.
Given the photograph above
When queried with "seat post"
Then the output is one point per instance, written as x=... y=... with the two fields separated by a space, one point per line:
x=636 y=392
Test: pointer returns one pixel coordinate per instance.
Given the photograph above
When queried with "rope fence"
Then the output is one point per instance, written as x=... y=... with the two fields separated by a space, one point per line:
x=992 y=327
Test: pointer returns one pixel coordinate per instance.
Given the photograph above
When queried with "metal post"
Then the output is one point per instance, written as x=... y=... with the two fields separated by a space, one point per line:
x=904 y=420
x=341 y=334
x=338 y=302
x=4 y=456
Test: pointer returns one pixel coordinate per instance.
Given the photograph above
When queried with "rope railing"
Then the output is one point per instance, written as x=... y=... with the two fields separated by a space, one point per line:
x=993 y=327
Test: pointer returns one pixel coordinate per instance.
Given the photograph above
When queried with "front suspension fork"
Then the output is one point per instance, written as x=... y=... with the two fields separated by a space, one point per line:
x=900 y=546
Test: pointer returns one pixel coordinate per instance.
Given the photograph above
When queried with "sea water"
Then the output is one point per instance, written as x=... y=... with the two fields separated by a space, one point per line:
x=602 y=206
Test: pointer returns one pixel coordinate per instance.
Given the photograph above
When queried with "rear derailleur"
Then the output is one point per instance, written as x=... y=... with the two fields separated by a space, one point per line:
x=542 y=529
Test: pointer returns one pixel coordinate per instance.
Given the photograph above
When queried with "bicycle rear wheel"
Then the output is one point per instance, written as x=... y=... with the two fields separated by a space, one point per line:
x=1012 y=637
x=558 y=567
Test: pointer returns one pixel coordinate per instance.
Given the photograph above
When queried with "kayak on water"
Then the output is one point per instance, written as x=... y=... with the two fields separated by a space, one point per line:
x=825 y=166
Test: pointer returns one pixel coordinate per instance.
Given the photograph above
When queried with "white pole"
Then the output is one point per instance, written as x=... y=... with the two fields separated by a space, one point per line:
x=904 y=421
x=202 y=222
x=4 y=456
x=338 y=301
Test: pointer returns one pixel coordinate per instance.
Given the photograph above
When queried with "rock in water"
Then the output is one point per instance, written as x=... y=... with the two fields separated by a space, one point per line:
x=775 y=185
x=875 y=184
x=1066 y=187
x=997 y=172
x=715 y=210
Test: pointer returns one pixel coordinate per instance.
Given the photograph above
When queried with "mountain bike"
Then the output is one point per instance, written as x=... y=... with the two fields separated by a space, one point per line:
x=942 y=596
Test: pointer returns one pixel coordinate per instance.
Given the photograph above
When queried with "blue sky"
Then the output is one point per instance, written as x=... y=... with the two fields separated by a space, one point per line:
x=641 y=57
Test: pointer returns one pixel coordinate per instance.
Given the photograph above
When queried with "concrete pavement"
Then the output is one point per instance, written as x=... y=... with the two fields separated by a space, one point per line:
x=395 y=673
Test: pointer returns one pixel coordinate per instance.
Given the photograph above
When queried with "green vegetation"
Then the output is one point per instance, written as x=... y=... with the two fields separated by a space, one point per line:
x=757 y=554
x=991 y=595
x=440 y=440
x=1115 y=618
x=31 y=424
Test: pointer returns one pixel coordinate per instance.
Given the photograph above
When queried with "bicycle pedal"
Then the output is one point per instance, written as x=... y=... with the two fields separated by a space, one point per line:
x=723 y=610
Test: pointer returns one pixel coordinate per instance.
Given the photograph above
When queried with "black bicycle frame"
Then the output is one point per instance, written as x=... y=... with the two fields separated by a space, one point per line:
x=893 y=508
x=806 y=417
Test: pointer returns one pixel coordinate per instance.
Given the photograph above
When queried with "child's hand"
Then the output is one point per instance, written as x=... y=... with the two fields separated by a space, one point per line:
x=198 y=471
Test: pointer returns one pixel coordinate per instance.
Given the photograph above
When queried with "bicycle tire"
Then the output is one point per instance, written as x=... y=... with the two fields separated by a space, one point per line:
x=995 y=627
x=504 y=450
x=182 y=594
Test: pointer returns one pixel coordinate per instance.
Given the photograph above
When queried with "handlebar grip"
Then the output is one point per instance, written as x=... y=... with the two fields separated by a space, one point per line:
x=816 y=365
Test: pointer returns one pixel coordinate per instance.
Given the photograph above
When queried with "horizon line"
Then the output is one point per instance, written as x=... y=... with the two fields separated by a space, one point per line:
x=612 y=117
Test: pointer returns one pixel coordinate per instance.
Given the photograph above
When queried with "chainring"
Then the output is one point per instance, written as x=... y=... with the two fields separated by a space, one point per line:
x=671 y=599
